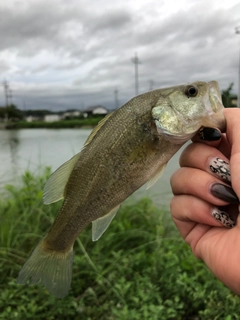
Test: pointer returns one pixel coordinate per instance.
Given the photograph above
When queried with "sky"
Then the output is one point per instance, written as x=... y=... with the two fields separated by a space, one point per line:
x=59 y=54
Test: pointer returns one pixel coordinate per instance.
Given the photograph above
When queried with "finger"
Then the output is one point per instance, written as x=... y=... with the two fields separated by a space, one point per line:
x=233 y=135
x=224 y=147
x=188 y=210
x=195 y=220
x=209 y=136
x=212 y=244
x=206 y=158
x=217 y=248
x=202 y=185
x=187 y=218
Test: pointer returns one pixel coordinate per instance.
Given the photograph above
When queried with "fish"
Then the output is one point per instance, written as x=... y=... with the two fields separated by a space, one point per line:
x=130 y=147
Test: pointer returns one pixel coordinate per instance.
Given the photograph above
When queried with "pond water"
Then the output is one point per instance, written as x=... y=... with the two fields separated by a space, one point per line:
x=33 y=149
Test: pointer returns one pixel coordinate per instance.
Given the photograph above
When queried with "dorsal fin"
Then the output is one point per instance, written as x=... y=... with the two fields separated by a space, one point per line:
x=97 y=128
x=100 y=225
x=55 y=185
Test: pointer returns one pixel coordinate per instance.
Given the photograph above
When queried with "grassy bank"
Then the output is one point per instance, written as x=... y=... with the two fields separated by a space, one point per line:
x=139 y=269
x=74 y=123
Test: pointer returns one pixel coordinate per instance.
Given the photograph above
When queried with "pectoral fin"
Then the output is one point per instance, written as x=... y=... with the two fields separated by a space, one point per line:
x=100 y=225
x=157 y=175
x=55 y=185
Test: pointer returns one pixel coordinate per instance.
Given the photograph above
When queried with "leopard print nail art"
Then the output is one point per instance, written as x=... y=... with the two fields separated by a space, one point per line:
x=224 y=218
x=220 y=168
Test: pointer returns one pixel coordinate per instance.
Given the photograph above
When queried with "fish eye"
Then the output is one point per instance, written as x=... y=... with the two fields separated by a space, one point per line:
x=191 y=91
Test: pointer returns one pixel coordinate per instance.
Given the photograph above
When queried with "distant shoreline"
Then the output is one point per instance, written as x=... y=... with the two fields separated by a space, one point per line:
x=62 y=124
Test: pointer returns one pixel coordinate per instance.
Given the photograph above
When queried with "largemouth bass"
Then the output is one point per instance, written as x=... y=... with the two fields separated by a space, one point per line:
x=129 y=147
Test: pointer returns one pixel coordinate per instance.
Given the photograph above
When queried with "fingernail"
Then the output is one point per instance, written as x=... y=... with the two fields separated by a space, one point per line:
x=224 y=193
x=223 y=217
x=220 y=168
x=209 y=134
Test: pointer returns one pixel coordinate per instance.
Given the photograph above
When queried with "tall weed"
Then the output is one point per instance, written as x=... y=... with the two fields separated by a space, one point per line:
x=139 y=269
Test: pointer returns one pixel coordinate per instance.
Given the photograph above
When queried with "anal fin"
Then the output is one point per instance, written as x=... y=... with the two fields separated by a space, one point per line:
x=100 y=225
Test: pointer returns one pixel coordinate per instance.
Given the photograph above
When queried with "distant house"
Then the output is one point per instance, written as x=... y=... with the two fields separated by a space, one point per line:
x=52 y=117
x=31 y=118
x=71 y=114
x=95 y=110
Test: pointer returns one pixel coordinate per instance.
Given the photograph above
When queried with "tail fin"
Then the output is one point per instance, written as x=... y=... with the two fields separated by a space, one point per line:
x=51 y=268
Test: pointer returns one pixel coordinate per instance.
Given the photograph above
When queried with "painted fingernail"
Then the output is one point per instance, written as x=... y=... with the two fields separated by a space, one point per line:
x=209 y=134
x=223 y=217
x=220 y=168
x=224 y=193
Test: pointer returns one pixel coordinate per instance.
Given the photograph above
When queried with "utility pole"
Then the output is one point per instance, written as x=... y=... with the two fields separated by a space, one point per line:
x=6 y=90
x=116 y=98
x=136 y=62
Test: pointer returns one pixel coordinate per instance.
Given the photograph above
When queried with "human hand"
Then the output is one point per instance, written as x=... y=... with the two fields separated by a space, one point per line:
x=200 y=201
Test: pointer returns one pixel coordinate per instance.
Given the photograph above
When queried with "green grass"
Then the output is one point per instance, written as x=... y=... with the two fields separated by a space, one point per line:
x=139 y=269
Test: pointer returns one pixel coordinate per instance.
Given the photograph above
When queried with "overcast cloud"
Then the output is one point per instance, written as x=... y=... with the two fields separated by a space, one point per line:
x=59 y=54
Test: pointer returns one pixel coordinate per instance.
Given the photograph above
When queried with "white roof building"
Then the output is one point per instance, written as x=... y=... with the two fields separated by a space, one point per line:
x=52 y=117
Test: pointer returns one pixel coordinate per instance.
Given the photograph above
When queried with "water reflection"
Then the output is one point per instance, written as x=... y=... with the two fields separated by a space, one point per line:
x=30 y=149
x=9 y=142
x=13 y=145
